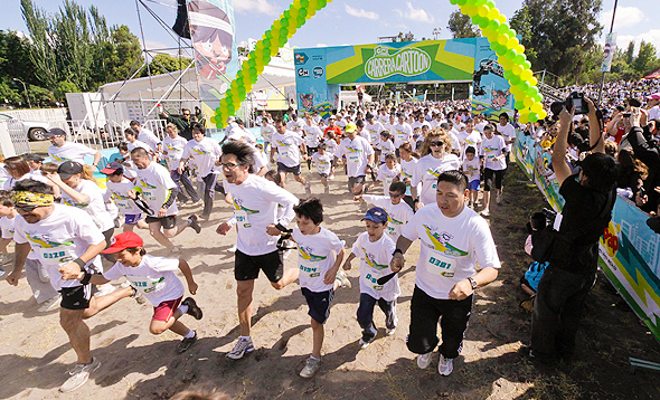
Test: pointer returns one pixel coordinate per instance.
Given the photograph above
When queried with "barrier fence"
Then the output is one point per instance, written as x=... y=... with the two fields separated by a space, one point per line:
x=629 y=250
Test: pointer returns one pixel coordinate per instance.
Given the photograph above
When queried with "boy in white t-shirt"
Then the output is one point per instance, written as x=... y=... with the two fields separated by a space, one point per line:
x=322 y=161
x=472 y=169
x=117 y=190
x=154 y=278
x=374 y=249
x=388 y=172
x=398 y=211
x=320 y=253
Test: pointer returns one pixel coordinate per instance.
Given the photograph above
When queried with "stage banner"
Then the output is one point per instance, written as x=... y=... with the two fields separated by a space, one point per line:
x=320 y=71
x=629 y=250
x=490 y=90
x=212 y=31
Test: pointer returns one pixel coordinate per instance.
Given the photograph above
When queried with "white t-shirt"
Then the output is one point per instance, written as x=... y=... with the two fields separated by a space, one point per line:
x=154 y=183
x=267 y=131
x=385 y=147
x=492 y=150
x=322 y=163
x=313 y=135
x=96 y=207
x=332 y=147
x=288 y=147
x=509 y=133
x=470 y=139
x=34 y=175
x=58 y=239
x=256 y=203
x=654 y=113
x=428 y=169
x=139 y=144
x=316 y=255
x=7 y=227
x=471 y=169
x=402 y=133
x=118 y=194
x=148 y=137
x=202 y=156
x=375 y=260
x=387 y=175
x=357 y=152
x=173 y=150
x=397 y=214
x=450 y=248
x=69 y=152
x=154 y=278
x=374 y=131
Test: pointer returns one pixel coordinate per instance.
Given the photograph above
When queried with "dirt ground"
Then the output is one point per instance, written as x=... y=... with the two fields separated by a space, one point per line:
x=35 y=355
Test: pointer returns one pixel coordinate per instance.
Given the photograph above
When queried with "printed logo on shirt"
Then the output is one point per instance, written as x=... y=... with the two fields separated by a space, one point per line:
x=435 y=172
x=199 y=151
x=306 y=254
x=239 y=207
x=394 y=221
x=70 y=203
x=59 y=159
x=441 y=243
x=371 y=261
x=144 y=185
x=353 y=150
x=45 y=243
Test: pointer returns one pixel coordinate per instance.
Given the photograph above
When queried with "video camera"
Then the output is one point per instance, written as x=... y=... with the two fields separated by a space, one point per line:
x=575 y=101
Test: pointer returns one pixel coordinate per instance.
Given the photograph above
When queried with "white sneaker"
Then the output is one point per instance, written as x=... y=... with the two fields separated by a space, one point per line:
x=424 y=360
x=232 y=249
x=445 y=366
x=390 y=332
x=312 y=365
x=241 y=348
x=485 y=213
x=498 y=198
x=342 y=279
x=364 y=344
x=104 y=290
x=50 y=304
x=79 y=375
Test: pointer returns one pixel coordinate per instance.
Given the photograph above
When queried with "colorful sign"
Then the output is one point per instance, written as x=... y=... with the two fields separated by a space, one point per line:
x=629 y=250
x=320 y=71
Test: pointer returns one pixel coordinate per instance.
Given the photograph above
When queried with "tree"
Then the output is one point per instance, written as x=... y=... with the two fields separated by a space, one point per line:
x=558 y=34
x=63 y=88
x=15 y=57
x=630 y=52
x=164 y=63
x=126 y=54
x=404 y=37
x=42 y=54
x=461 y=26
x=9 y=95
x=72 y=40
x=645 y=60
x=40 y=96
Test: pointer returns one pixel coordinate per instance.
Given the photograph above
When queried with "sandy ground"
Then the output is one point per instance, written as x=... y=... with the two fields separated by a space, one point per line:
x=35 y=355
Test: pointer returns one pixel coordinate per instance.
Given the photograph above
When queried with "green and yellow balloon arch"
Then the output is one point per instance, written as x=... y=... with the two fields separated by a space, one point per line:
x=483 y=13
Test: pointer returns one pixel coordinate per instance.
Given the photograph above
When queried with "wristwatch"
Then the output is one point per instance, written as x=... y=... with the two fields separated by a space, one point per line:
x=473 y=283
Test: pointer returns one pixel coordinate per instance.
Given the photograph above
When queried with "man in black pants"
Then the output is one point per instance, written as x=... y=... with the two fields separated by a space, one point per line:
x=573 y=255
x=454 y=239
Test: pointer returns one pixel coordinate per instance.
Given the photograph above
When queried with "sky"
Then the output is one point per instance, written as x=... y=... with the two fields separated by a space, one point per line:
x=341 y=22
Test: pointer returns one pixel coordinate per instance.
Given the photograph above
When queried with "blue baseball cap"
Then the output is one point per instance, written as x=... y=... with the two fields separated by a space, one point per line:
x=376 y=214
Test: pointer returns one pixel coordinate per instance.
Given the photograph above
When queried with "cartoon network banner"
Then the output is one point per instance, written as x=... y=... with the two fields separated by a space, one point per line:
x=629 y=250
x=320 y=71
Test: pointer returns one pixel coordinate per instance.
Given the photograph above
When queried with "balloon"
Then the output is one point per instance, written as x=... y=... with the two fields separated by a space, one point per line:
x=543 y=114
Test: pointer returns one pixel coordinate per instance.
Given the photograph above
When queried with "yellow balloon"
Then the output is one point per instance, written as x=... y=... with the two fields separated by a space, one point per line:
x=526 y=75
x=512 y=42
x=542 y=114
x=533 y=81
x=537 y=108
x=483 y=11
x=501 y=18
x=517 y=70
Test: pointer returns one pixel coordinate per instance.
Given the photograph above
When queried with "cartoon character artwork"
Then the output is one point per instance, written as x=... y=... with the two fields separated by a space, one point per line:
x=307 y=101
x=212 y=36
x=499 y=99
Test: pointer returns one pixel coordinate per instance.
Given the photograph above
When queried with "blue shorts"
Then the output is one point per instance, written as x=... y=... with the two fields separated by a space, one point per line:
x=474 y=185
x=132 y=219
x=319 y=304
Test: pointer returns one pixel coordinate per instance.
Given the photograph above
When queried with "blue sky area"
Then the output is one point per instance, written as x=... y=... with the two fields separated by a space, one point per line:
x=341 y=22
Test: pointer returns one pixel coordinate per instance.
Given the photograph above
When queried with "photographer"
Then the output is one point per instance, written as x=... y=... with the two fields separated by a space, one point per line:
x=573 y=253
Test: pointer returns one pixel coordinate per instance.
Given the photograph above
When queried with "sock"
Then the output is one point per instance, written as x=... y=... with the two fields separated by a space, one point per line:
x=189 y=335
x=245 y=338
x=183 y=309
x=315 y=358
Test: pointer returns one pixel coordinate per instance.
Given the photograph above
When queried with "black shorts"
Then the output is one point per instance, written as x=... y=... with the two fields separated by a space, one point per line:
x=76 y=298
x=493 y=177
x=311 y=150
x=293 y=170
x=319 y=304
x=247 y=267
x=355 y=180
x=168 y=222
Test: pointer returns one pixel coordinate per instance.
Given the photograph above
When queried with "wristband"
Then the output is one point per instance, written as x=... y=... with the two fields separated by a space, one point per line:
x=283 y=228
x=473 y=283
x=85 y=280
x=79 y=262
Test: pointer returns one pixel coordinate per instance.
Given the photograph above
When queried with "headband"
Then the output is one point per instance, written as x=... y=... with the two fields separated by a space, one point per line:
x=32 y=199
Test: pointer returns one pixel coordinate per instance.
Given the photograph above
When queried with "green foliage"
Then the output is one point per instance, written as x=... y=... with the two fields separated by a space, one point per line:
x=9 y=94
x=646 y=59
x=41 y=97
x=64 y=87
x=461 y=26
x=164 y=63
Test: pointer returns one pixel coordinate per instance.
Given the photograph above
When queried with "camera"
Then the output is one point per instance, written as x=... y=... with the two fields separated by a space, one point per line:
x=540 y=220
x=575 y=101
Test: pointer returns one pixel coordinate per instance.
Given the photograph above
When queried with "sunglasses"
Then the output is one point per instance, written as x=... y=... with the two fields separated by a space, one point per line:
x=25 y=209
x=229 y=165
x=438 y=143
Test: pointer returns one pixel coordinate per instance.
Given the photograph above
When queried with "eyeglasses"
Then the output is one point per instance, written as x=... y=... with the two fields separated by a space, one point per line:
x=25 y=209
x=230 y=165
x=438 y=143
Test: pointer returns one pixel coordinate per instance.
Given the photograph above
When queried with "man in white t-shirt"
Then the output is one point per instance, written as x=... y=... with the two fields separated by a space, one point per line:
x=402 y=131
x=60 y=150
x=493 y=153
x=145 y=135
x=262 y=210
x=202 y=154
x=359 y=158
x=155 y=194
x=133 y=143
x=173 y=146
x=62 y=237
x=454 y=240
x=508 y=133
x=290 y=149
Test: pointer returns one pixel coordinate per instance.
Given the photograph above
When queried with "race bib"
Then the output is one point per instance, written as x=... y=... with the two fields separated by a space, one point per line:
x=242 y=218
x=373 y=282
x=438 y=263
x=146 y=284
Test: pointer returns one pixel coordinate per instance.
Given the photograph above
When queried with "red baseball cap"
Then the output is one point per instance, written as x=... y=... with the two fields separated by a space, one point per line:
x=123 y=241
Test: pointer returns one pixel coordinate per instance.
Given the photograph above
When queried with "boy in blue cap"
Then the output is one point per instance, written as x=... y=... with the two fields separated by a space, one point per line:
x=374 y=249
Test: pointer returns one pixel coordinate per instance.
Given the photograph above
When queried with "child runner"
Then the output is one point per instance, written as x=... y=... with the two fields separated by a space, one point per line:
x=374 y=249
x=332 y=147
x=398 y=212
x=117 y=188
x=384 y=146
x=320 y=253
x=155 y=279
x=471 y=168
x=389 y=172
x=322 y=161
x=408 y=164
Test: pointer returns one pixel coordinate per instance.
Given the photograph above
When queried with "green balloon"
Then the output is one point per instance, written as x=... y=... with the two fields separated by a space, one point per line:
x=519 y=104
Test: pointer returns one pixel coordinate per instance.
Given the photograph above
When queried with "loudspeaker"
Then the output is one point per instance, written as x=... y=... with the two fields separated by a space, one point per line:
x=181 y=26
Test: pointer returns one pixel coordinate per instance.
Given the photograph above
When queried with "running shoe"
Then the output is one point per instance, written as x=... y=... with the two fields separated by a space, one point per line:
x=390 y=332
x=342 y=279
x=242 y=347
x=424 y=360
x=50 y=304
x=186 y=343
x=312 y=365
x=364 y=343
x=485 y=213
x=193 y=308
x=192 y=222
x=445 y=366
x=104 y=290
x=79 y=375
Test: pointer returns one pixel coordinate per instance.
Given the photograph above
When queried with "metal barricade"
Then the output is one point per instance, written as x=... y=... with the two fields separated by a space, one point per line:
x=19 y=137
